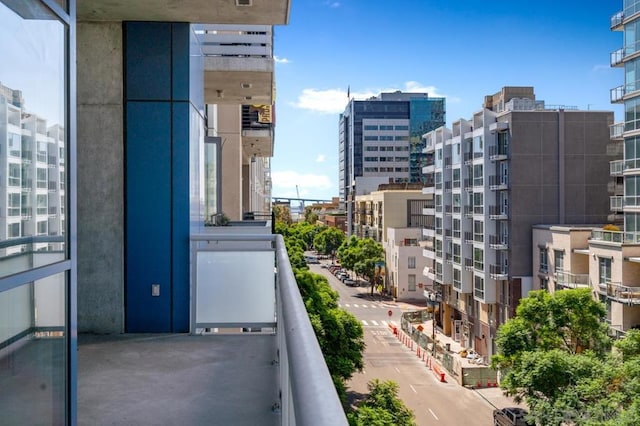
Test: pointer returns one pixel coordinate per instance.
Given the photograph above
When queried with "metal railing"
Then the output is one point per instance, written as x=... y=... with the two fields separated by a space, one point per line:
x=570 y=280
x=308 y=395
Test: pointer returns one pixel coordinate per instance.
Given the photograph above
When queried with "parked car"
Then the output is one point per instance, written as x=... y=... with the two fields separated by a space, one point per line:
x=510 y=416
x=350 y=282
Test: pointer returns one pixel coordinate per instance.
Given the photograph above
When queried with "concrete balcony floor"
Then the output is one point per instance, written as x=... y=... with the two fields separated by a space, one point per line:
x=177 y=379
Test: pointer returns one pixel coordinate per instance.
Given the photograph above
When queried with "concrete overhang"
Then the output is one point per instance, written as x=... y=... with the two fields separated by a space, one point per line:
x=237 y=87
x=257 y=143
x=267 y=12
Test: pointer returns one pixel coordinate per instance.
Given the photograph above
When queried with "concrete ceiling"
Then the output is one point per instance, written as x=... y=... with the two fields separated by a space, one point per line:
x=230 y=87
x=262 y=12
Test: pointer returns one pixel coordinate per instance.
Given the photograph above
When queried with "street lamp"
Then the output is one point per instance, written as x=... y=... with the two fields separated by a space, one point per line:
x=432 y=299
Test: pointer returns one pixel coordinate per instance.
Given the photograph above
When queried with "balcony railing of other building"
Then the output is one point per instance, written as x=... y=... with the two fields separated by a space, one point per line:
x=499 y=242
x=499 y=272
x=616 y=20
x=498 y=182
x=498 y=212
x=617 y=57
x=615 y=331
x=616 y=130
x=615 y=188
x=616 y=167
x=571 y=280
x=621 y=293
x=617 y=94
x=498 y=152
x=247 y=298
x=616 y=203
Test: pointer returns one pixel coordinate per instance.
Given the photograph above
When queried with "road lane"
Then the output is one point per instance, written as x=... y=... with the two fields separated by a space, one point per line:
x=386 y=358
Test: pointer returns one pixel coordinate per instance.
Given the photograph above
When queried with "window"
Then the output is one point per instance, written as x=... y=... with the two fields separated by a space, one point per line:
x=15 y=144
x=478 y=287
x=457 y=282
x=370 y=127
x=478 y=203
x=544 y=284
x=455 y=249
x=41 y=177
x=13 y=204
x=604 y=270
x=632 y=191
x=456 y=228
x=558 y=256
x=456 y=178
x=41 y=202
x=370 y=148
x=411 y=282
x=370 y=138
x=478 y=231
x=401 y=127
x=478 y=259
x=477 y=175
x=544 y=267
x=373 y=159
x=13 y=230
x=14 y=174
x=411 y=262
x=42 y=227
x=455 y=203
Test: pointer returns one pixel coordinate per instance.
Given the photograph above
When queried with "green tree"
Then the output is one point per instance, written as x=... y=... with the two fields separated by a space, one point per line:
x=339 y=333
x=361 y=256
x=282 y=213
x=555 y=343
x=328 y=240
x=381 y=407
x=310 y=215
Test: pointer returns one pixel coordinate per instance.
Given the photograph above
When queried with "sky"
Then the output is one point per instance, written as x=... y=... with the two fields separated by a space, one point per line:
x=461 y=50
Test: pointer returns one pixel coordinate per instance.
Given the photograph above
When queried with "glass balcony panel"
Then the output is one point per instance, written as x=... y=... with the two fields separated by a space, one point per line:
x=230 y=293
x=33 y=358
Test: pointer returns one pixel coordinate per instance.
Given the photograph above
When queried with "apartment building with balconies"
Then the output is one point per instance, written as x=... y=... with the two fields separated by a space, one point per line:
x=389 y=208
x=515 y=163
x=123 y=321
x=566 y=257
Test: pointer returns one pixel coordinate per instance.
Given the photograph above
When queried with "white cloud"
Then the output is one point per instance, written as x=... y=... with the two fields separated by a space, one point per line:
x=320 y=158
x=333 y=4
x=280 y=60
x=600 y=68
x=284 y=183
x=334 y=101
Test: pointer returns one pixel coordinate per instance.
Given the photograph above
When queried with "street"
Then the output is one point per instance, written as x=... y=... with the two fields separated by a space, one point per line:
x=385 y=358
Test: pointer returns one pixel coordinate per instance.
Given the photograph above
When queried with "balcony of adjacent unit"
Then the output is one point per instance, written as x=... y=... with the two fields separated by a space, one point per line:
x=567 y=279
x=616 y=203
x=617 y=94
x=429 y=272
x=238 y=63
x=251 y=356
x=616 y=168
x=498 y=182
x=499 y=242
x=257 y=131
x=429 y=165
x=618 y=237
x=498 y=126
x=626 y=294
x=616 y=21
x=616 y=131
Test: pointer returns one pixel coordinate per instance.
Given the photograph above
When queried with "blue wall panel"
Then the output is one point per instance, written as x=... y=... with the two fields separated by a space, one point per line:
x=180 y=213
x=148 y=60
x=148 y=216
x=180 y=59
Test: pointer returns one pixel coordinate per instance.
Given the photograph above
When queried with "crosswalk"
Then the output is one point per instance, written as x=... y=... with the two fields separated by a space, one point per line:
x=374 y=323
x=356 y=305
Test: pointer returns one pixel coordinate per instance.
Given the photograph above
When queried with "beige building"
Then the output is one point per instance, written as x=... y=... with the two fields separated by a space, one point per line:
x=404 y=263
x=589 y=257
x=374 y=213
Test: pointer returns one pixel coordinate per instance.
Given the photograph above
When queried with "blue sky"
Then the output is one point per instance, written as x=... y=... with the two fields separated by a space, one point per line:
x=462 y=50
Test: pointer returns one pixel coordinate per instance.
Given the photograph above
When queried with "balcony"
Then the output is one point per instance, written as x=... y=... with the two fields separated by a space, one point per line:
x=616 y=167
x=569 y=280
x=616 y=203
x=616 y=21
x=499 y=272
x=498 y=153
x=498 y=213
x=617 y=94
x=498 y=183
x=621 y=293
x=617 y=57
x=499 y=242
x=251 y=357
x=616 y=130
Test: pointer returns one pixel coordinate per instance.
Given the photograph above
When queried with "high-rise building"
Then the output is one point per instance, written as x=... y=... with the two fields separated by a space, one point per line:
x=516 y=163
x=380 y=141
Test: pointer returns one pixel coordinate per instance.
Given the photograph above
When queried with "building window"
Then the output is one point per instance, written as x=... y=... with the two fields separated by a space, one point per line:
x=456 y=228
x=411 y=264
x=477 y=175
x=13 y=230
x=558 y=256
x=478 y=259
x=455 y=249
x=14 y=174
x=544 y=264
x=455 y=178
x=604 y=270
x=478 y=231
x=411 y=282
x=544 y=284
x=478 y=287
x=457 y=282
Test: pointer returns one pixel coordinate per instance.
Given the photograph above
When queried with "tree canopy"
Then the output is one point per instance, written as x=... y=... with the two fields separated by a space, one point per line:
x=381 y=407
x=554 y=355
x=361 y=256
x=328 y=240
